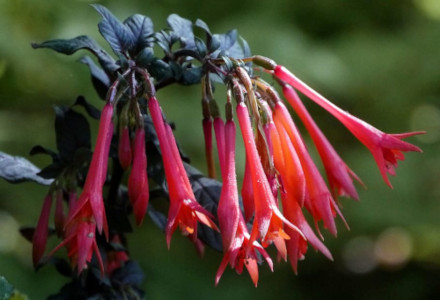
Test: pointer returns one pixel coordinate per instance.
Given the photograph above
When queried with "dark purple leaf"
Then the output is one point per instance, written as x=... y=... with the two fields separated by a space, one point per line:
x=119 y=37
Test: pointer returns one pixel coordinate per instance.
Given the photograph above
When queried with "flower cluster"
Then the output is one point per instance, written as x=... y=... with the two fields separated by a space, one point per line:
x=281 y=181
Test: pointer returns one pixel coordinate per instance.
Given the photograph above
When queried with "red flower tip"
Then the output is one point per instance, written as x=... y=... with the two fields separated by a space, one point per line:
x=124 y=148
x=39 y=238
x=138 y=191
x=80 y=239
x=243 y=252
x=386 y=148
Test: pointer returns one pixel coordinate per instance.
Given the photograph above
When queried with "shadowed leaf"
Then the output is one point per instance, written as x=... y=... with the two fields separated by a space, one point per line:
x=15 y=169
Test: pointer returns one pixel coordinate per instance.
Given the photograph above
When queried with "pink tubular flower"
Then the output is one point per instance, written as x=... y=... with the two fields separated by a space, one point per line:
x=184 y=210
x=338 y=173
x=385 y=148
x=138 y=191
x=39 y=238
x=268 y=223
x=92 y=192
x=228 y=211
x=207 y=134
x=319 y=201
x=247 y=193
x=124 y=148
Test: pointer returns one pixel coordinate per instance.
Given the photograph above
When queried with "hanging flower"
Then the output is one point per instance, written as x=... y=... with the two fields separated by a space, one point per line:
x=385 y=148
x=184 y=210
x=138 y=190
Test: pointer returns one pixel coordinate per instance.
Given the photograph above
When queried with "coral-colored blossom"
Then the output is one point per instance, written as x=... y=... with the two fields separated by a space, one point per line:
x=228 y=211
x=124 y=148
x=319 y=201
x=39 y=238
x=138 y=190
x=247 y=193
x=385 y=148
x=243 y=253
x=92 y=192
x=207 y=134
x=80 y=239
x=338 y=173
x=268 y=222
x=184 y=210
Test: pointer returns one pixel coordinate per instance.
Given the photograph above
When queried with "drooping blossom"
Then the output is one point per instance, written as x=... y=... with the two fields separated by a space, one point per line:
x=338 y=173
x=207 y=134
x=243 y=253
x=80 y=238
x=138 y=190
x=238 y=251
x=92 y=191
x=268 y=222
x=124 y=148
x=39 y=238
x=184 y=210
x=247 y=193
x=319 y=201
x=385 y=148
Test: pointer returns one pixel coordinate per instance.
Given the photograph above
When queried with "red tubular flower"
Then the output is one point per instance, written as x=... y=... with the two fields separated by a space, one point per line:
x=228 y=210
x=247 y=193
x=138 y=191
x=219 y=130
x=39 y=238
x=92 y=192
x=385 y=148
x=268 y=223
x=243 y=253
x=124 y=148
x=338 y=173
x=184 y=210
x=80 y=239
x=207 y=133
x=319 y=201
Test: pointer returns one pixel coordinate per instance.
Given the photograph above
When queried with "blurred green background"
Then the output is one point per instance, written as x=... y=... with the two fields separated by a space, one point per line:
x=378 y=59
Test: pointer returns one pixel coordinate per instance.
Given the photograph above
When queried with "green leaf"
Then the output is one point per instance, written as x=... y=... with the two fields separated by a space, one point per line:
x=192 y=75
x=142 y=29
x=100 y=79
x=15 y=169
x=183 y=28
x=119 y=37
x=201 y=47
x=145 y=57
x=70 y=46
